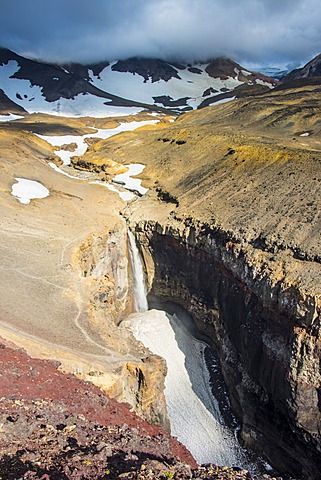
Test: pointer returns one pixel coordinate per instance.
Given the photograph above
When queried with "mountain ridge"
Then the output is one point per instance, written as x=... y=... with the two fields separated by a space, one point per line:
x=312 y=69
x=138 y=83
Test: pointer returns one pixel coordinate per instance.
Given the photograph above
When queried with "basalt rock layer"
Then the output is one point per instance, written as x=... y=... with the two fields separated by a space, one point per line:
x=266 y=333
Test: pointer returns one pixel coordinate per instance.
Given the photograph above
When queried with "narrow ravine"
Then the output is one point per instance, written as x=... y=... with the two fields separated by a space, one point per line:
x=195 y=414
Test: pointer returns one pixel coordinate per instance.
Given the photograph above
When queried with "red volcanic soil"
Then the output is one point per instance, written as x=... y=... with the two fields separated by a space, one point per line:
x=52 y=424
x=56 y=427
x=23 y=377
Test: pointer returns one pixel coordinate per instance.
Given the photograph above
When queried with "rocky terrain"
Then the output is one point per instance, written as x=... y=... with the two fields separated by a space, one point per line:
x=67 y=265
x=311 y=70
x=56 y=427
x=231 y=231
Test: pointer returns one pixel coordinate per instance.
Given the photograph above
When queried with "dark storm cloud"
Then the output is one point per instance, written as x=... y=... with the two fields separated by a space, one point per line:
x=252 y=31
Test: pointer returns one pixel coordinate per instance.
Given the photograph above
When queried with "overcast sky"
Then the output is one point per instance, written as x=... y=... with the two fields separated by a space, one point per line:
x=262 y=32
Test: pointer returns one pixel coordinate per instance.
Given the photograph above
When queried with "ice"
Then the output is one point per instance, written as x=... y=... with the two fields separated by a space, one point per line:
x=201 y=431
x=26 y=190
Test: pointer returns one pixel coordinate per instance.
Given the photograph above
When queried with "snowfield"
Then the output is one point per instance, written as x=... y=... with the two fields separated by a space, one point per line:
x=191 y=85
x=31 y=98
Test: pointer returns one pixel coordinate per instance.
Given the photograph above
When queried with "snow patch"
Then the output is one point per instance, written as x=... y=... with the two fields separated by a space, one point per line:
x=26 y=190
x=224 y=100
x=59 y=170
x=79 y=140
x=123 y=181
x=125 y=196
x=262 y=82
x=10 y=117
x=133 y=184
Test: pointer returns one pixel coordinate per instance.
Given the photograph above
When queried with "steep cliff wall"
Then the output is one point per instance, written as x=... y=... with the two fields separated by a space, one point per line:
x=265 y=330
x=106 y=290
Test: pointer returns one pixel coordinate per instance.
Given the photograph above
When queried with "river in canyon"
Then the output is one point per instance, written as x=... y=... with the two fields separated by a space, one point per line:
x=196 y=397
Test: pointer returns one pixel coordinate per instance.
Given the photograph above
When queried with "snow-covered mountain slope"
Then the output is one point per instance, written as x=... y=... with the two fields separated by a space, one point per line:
x=122 y=87
x=181 y=87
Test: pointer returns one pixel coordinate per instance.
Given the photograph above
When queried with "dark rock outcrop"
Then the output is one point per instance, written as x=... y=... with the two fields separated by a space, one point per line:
x=266 y=335
x=149 y=68
x=7 y=105
x=311 y=70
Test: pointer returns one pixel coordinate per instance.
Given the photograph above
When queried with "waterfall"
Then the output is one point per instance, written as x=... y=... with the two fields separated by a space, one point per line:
x=139 y=289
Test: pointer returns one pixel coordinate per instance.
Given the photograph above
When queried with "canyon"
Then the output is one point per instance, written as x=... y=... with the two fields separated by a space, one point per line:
x=227 y=227
x=242 y=255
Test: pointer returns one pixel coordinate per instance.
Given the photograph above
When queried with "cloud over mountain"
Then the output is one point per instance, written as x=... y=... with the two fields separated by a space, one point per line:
x=257 y=31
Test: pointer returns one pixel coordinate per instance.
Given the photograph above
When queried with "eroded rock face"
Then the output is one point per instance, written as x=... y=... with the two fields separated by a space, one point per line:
x=106 y=288
x=267 y=334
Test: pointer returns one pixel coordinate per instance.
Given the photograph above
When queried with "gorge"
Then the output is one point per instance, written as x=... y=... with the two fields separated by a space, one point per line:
x=214 y=218
x=251 y=339
x=191 y=389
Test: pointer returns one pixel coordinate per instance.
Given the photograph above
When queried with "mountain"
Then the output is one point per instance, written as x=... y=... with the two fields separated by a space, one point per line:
x=310 y=71
x=124 y=86
x=7 y=105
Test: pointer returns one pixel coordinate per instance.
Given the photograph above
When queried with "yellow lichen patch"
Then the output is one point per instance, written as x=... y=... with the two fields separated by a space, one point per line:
x=260 y=153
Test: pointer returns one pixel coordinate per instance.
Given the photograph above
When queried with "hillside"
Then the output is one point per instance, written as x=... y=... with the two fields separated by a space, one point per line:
x=311 y=70
x=240 y=156
x=230 y=230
